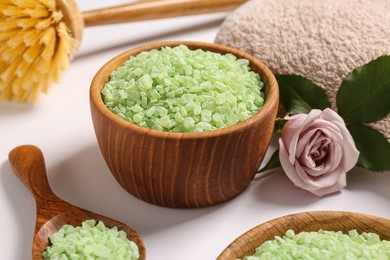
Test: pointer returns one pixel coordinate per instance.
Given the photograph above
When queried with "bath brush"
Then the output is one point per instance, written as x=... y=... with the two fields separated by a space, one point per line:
x=38 y=38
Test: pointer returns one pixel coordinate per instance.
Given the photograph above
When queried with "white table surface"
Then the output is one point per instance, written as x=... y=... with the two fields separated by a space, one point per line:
x=60 y=124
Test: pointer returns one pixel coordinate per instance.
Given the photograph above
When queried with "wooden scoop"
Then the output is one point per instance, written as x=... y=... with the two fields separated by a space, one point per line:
x=52 y=212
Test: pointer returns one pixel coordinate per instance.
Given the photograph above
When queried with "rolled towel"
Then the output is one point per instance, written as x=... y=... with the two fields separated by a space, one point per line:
x=322 y=40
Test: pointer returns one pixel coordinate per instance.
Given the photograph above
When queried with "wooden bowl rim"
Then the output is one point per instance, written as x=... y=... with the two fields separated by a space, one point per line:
x=321 y=216
x=271 y=90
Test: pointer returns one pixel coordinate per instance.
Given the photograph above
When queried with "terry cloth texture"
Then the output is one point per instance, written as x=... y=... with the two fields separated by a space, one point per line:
x=322 y=40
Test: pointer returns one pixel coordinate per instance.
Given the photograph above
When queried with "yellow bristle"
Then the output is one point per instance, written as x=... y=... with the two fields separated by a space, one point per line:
x=43 y=24
x=44 y=66
x=10 y=54
x=16 y=40
x=45 y=84
x=17 y=86
x=57 y=16
x=3 y=63
x=32 y=53
x=7 y=2
x=2 y=84
x=15 y=12
x=3 y=6
x=32 y=36
x=60 y=59
x=8 y=25
x=6 y=83
x=3 y=48
x=24 y=3
x=22 y=68
x=29 y=77
x=55 y=69
x=27 y=23
x=48 y=51
x=49 y=35
x=50 y=4
x=38 y=12
x=35 y=90
x=4 y=37
x=8 y=75
x=6 y=94
x=21 y=95
x=68 y=43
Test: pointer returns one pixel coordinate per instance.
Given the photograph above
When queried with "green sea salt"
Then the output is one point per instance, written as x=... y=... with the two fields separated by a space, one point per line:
x=182 y=90
x=90 y=241
x=324 y=245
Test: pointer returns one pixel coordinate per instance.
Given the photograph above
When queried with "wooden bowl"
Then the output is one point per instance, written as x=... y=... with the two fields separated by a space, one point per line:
x=306 y=221
x=184 y=170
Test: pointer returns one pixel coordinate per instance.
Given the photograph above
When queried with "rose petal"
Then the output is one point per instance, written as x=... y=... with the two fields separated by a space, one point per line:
x=336 y=155
x=291 y=128
x=324 y=179
x=306 y=159
x=341 y=183
x=351 y=154
x=307 y=180
x=311 y=139
x=331 y=116
x=315 y=113
x=327 y=156
x=332 y=132
x=305 y=139
x=312 y=167
x=350 y=151
x=287 y=166
x=323 y=176
x=319 y=187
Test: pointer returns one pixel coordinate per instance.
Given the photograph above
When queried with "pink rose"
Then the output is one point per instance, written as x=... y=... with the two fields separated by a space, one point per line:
x=317 y=150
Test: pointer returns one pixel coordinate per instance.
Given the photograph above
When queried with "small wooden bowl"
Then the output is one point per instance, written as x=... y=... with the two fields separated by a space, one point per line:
x=246 y=244
x=184 y=170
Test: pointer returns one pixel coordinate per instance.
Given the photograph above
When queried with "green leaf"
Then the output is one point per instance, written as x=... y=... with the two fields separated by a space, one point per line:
x=373 y=147
x=300 y=95
x=364 y=95
x=272 y=163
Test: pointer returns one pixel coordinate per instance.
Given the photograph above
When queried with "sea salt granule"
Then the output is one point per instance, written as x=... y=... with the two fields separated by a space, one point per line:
x=324 y=245
x=182 y=90
x=90 y=241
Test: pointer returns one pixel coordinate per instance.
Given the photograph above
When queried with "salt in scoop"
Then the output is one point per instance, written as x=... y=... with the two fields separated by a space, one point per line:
x=52 y=212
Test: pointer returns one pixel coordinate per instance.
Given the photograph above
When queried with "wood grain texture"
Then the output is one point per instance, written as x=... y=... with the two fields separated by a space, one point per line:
x=147 y=10
x=183 y=170
x=306 y=221
x=136 y=11
x=52 y=212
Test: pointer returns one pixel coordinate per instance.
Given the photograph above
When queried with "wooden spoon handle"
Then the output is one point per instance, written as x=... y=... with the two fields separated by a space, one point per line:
x=147 y=10
x=28 y=164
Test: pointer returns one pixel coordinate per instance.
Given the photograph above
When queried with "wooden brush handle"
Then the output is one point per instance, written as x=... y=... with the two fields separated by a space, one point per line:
x=152 y=9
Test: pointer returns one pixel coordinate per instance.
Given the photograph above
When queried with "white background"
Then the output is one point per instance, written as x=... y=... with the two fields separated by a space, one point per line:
x=60 y=124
